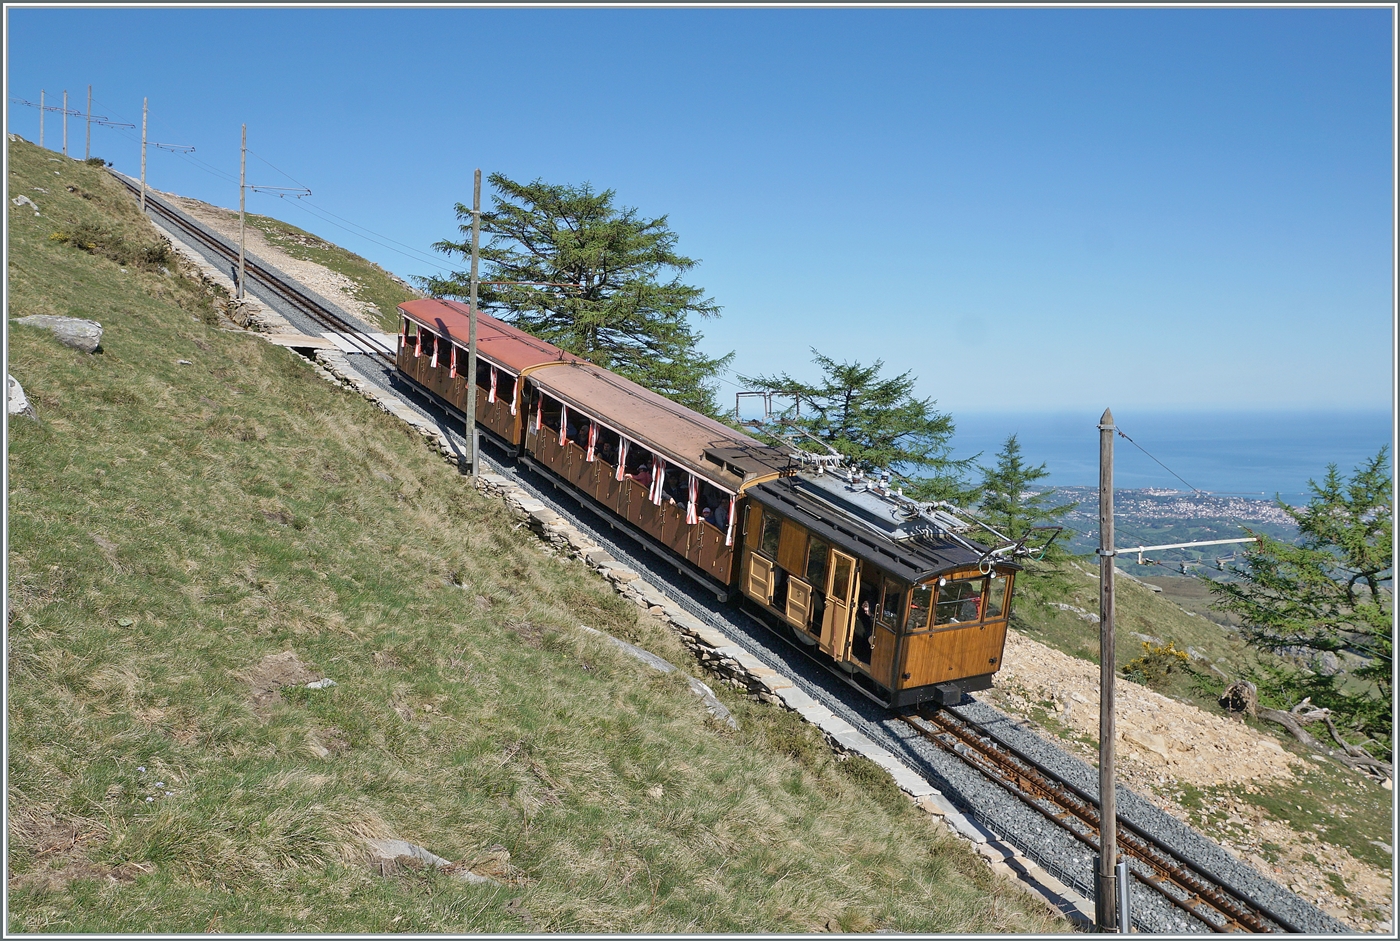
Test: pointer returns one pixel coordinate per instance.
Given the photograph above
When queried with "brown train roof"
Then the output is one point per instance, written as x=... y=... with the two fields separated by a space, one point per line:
x=681 y=435
x=496 y=340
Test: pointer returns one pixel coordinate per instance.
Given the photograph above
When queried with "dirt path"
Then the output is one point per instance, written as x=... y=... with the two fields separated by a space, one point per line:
x=331 y=285
x=1163 y=743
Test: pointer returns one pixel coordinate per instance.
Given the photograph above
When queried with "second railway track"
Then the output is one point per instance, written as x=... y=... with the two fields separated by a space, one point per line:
x=1212 y=903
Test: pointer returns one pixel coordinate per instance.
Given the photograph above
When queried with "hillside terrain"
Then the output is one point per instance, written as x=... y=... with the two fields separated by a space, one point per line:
x=265 y=514
x=202 y=532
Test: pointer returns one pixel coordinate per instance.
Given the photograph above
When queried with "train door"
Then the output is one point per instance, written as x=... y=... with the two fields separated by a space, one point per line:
x=840 y=588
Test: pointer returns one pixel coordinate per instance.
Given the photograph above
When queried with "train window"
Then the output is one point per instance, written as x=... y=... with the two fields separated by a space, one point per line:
x=505 y=386
x=551 y=412
x=429 y=343
x=920 y=600
x=841 y=580
x=996 y=596
x=960 y=601
x=608 y=444
x=816 y=563
x=772 y=531
x=637 y=458
x=891 y=603
x=483 y=371
x=714 y=505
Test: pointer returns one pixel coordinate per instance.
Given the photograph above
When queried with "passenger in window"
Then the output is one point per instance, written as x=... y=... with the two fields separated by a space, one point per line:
x=643 y=475
x=721 y=514
x=708 y=515
x=608 y=453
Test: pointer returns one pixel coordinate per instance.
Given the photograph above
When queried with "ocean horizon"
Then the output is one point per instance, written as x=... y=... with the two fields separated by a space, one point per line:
x=1243 y=453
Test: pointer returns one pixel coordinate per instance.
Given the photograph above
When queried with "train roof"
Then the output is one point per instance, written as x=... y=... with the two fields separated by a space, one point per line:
x=681 y=435
x=856 y=519
x=703 y=445
x=497 y=340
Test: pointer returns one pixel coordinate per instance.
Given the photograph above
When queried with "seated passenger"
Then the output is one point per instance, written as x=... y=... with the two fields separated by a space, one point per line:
x=708 y=515
x=642 y=476
x=721 y=514
x=608 y=453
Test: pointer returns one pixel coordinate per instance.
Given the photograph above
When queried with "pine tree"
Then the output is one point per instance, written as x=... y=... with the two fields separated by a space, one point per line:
x=601 y=282
x=1010 y=505
x=875 y=422
x=1330 y=593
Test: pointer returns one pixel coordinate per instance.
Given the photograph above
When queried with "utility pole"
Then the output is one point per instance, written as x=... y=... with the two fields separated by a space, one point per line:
x=65 y=122
x=1108 y=916
x=242 y=191
x=41 y=117
x=144 y=103
x=87 y=148
x=471 y=329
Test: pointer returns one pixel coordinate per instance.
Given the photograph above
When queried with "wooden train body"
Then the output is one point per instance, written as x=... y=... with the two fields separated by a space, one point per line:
x=902 y=614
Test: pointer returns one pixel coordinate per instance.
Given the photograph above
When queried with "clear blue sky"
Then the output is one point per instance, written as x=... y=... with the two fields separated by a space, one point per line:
x=1028 y=208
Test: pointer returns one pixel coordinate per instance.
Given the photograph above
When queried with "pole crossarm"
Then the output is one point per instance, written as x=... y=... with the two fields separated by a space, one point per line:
x=1182 y=545
x=61 y=110
x=280 y=191
x=174 y=148
x=105 y=123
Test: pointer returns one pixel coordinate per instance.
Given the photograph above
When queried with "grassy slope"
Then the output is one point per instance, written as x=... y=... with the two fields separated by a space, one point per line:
x=171 y=525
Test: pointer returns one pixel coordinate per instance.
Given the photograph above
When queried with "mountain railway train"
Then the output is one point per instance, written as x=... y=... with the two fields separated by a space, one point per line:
x=892 y=598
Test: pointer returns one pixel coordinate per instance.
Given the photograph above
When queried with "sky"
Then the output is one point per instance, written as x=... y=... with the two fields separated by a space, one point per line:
x=1028 y=209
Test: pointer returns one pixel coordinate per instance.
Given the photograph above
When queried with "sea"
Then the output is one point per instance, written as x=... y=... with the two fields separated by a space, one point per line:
x=1248 y=454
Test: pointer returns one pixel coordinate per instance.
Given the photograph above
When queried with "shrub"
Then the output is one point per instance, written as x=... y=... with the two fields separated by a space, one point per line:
x=1156 y=663
x=98 y=240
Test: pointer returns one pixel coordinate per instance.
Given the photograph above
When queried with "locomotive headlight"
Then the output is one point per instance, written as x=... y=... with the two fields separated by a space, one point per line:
x=942 y=582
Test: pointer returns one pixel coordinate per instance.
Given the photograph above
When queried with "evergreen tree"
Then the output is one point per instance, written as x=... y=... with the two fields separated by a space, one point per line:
x=876 y=423
x=1010 y=506
x=1330 y=593
x=622 y=304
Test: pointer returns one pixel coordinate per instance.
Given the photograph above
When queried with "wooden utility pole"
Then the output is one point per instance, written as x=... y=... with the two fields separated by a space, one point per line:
x=144 y=103
x=242 y=190
x=471 y=329
x=1106 y=879
x=65 y=122
x=42 y=109
x=87 y=148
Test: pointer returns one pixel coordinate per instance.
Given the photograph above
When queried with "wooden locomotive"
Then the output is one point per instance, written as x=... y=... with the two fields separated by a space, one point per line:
x=896 y=601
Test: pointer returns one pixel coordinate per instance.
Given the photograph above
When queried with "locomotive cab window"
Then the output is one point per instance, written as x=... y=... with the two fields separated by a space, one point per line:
x=772 y=533
x=995 y=599
x=920 y=601
x=891 y=604
x=960 y=600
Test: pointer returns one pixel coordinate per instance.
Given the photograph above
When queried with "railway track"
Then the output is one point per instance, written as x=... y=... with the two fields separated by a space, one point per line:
x=273 y=281
x=1184 y=884
x=1156 y=866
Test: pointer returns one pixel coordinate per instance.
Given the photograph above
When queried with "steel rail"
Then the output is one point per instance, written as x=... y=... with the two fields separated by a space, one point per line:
x=289 y=293
x=1180 y=881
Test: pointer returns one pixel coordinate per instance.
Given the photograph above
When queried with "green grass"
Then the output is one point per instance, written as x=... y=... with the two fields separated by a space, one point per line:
x=172 y=525
x=373 y=285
